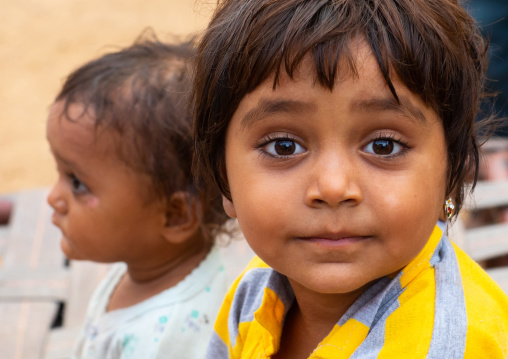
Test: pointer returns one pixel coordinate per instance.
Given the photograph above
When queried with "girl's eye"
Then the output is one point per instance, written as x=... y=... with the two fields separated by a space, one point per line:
x=384 y=147
x=77 y=186
x=283 y=147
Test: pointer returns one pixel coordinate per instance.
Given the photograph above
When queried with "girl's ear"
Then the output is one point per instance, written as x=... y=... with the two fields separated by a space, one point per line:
x=182 y=217
x=229 y=207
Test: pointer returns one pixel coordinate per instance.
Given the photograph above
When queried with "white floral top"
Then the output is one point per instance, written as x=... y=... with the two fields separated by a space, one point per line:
x=176 y=322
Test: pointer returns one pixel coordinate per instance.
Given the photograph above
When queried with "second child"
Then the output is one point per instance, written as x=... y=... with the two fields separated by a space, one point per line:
x=120 y=133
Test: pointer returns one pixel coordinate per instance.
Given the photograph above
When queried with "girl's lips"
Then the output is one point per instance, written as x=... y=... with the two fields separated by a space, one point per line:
x=334 y=240
x=332 y=236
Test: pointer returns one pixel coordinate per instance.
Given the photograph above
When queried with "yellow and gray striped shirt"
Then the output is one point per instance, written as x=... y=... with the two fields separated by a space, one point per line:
x=441 y=305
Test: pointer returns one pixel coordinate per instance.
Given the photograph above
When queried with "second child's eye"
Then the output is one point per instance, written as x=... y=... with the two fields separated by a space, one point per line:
x=384 y=147
x=77 y=186
x=283 y=147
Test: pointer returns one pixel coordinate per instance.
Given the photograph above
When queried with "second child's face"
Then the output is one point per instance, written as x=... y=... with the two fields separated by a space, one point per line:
x=335 y=189
x=99 y=203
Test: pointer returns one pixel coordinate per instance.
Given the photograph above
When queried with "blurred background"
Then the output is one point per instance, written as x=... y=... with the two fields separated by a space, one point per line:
x=42 y=41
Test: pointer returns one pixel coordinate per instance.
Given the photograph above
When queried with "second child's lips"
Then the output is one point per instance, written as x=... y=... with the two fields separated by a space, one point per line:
x=56 y=220
x=53 y=219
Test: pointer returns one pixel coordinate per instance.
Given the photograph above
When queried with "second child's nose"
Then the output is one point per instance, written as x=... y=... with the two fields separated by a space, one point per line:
x=56 y=199
x=333 y=182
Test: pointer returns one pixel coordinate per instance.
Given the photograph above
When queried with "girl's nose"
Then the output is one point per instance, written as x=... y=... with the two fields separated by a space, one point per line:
x=333 y=182
x=56 y=199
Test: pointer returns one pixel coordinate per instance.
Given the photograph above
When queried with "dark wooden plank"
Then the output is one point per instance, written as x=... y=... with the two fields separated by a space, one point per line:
x=5 y=230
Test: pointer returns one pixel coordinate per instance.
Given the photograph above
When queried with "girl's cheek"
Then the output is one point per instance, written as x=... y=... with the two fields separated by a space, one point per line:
x=92 y=202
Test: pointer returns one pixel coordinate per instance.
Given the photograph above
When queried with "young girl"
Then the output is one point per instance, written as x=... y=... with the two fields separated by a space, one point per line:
x=340 y=134
x=120 y=133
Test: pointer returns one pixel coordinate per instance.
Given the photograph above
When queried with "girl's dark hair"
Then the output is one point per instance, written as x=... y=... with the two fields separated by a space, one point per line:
x=432 y=46
x=142 y=93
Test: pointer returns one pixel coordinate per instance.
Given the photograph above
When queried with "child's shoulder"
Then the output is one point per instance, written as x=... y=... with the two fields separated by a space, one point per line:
x=255 y=262
x=487 y=310
x=479 y=287
x=252 y=309
x=253 y=278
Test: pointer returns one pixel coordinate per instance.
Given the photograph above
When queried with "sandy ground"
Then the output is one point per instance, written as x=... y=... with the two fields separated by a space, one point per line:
x=42 y=41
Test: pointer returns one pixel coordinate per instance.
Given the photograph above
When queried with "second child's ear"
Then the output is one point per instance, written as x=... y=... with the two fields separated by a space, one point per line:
x=229 y=207
x=182 y=217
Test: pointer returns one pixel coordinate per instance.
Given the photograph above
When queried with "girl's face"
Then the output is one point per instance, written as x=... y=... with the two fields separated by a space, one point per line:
x=335 y=189
x=99 y=203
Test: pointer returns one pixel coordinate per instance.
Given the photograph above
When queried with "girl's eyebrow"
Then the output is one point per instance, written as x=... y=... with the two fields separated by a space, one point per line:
x=405 y=107
x=267 y=107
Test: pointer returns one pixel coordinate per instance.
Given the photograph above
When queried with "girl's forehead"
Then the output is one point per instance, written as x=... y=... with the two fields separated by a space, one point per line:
x=351 y=59
x=359 y=81
x=358 y=65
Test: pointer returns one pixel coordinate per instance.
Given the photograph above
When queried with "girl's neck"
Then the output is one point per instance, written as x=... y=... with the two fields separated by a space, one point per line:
x=310 y=319
x=141 y=282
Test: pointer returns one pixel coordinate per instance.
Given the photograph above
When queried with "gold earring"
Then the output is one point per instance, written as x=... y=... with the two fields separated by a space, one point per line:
x=449 y=208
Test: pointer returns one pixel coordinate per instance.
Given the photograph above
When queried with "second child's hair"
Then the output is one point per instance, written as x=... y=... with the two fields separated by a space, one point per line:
x=141 y=92
x=432 y=46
